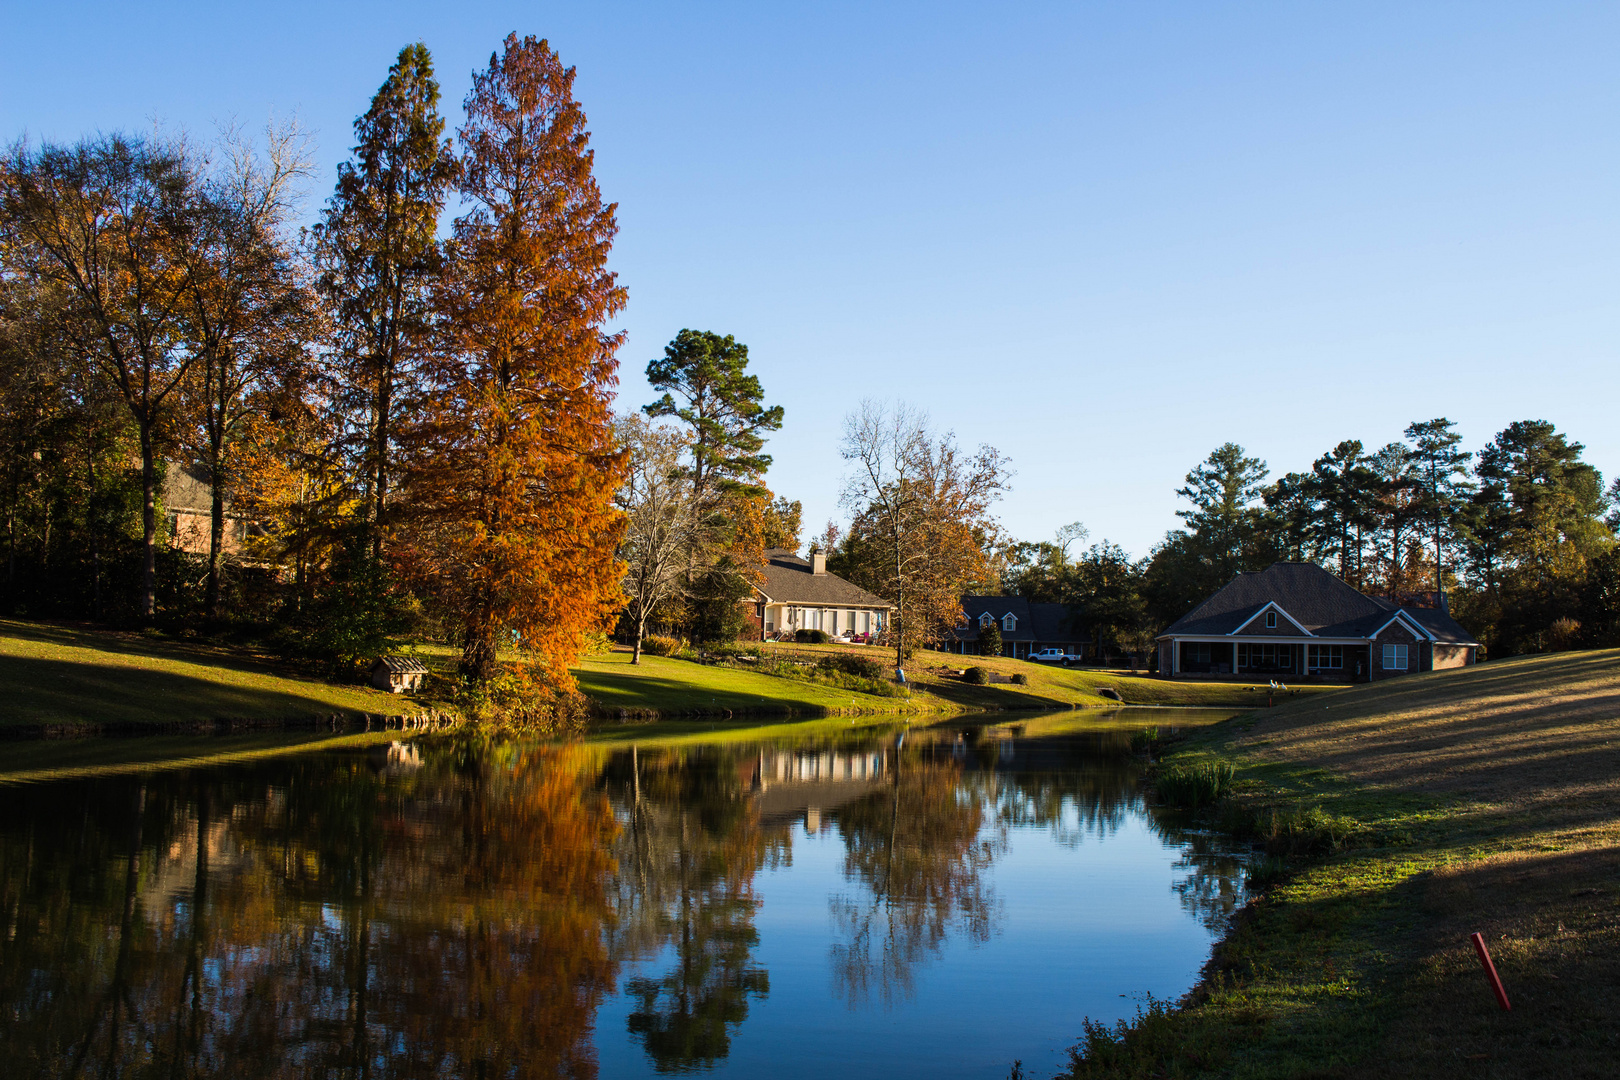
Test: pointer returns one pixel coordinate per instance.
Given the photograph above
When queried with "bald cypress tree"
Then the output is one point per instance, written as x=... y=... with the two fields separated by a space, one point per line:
x=513 y=460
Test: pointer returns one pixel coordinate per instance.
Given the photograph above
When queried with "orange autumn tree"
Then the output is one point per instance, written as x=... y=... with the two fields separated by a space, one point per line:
x=513 y=462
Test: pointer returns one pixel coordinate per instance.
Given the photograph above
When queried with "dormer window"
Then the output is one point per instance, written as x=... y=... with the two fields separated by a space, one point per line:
x=985 y=620
x=1271 y=620
x=1009 y=623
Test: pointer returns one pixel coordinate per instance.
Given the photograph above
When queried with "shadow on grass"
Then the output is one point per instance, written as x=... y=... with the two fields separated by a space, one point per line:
x=128 y=643
x=612 y=691
x=35 y=692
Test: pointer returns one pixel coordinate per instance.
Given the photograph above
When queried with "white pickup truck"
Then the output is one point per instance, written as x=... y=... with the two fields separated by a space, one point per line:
x=1050 y=656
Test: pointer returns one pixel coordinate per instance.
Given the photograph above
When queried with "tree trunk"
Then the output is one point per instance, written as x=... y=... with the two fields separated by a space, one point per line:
x=480 y=653
x=216 y=541
x=641 y=632
x=148 y=523
x=95 y=543
x=379 y=487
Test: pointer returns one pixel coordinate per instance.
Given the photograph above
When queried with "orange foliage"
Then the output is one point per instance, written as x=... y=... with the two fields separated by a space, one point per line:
x=512 y=462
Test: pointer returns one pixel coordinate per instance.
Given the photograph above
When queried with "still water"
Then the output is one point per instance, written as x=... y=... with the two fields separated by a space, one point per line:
x=934 y=902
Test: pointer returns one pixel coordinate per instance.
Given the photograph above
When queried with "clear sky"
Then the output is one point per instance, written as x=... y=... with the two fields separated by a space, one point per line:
x=1103 y=238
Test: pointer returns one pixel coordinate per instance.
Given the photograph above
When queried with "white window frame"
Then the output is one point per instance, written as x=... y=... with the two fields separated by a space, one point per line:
x=985 y=620
x=1009 y=623
x=1395 y=657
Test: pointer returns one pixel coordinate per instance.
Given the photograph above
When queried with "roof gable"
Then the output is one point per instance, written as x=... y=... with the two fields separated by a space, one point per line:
x=1312 y=598
x=1272 y=605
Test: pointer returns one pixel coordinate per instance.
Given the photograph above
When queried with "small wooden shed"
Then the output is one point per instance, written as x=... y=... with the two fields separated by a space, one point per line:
x=398 y=674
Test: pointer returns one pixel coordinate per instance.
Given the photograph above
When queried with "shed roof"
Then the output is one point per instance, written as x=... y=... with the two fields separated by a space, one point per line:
x=789 y=580
x=400 y=665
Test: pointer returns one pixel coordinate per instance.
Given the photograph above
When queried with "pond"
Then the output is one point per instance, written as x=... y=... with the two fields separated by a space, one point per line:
x=870 y=903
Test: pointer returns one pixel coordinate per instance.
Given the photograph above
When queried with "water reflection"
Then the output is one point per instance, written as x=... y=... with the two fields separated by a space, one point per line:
x=465 y=908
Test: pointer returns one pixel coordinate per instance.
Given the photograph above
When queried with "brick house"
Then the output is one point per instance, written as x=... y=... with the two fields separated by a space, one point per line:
x=1025 y=627
x=1294 y=620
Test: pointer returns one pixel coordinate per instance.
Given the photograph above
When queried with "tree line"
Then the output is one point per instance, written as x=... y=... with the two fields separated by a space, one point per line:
x=1517 y=538
x=405 y=422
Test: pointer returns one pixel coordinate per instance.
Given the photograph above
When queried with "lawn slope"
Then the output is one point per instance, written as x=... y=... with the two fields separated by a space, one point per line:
x=56 y=677
x=1485 y=799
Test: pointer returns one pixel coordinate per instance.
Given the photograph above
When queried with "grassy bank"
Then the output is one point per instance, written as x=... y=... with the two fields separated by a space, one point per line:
x=59 y=677
x=1418 y=812
x=66 y=678
x=934 y=675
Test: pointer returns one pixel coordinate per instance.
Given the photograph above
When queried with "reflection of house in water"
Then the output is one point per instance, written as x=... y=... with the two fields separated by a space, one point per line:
x=395 y=757
x=794 y=785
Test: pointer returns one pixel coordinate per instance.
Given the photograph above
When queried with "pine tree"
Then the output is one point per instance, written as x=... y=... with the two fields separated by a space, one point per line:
x=1442 y=472
x=514 y=464
x=724 y=406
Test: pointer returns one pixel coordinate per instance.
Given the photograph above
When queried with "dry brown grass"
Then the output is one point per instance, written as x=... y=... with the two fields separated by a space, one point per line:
x=1488 y=800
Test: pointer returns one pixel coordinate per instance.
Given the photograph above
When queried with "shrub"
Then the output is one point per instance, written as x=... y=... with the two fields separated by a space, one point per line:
x=1143 y=741
x=862 y=666
x=1192 y=786
x=1020 y=679
x=976 y=675
x=659 y=645
x=811 y=637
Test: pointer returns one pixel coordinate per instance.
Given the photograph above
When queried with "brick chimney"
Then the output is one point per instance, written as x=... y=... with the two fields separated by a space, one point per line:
x=818 y=563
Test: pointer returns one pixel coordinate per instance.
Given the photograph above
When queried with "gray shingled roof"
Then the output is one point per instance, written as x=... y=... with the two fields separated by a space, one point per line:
x=788 y=580
x=1317 y=600
x=1036 y=622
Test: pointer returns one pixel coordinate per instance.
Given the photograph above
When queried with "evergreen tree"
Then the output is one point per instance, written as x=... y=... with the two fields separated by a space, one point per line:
x=990 y=643
x=378 y=256
x=1441 y=471
x=724 y=407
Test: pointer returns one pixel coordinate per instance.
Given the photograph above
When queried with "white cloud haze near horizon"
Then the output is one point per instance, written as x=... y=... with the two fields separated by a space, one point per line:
x=1102 y=238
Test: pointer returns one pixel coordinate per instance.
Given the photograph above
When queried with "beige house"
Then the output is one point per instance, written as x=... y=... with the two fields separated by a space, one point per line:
x=799 y=594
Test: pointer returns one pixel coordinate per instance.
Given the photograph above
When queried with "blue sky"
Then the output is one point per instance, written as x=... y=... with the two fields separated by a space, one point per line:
x=1103 y=238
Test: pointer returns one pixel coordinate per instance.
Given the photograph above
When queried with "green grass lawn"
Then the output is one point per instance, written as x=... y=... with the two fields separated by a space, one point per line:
x=684 y=688
x=55 y=677
x=1483 y=799
x=934 y=676
x=69 y=677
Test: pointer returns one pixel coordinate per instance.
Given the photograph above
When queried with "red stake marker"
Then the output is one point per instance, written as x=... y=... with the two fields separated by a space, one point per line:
x=1490 y=971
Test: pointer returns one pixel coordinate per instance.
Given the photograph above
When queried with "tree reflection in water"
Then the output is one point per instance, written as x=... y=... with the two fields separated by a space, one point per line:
x=462 y=908
x=325 y=919
x=920 y=850
x=687 y=856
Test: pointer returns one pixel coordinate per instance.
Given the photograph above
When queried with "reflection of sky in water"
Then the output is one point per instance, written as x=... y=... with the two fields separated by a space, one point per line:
x=1080 y=930
x=967 y=897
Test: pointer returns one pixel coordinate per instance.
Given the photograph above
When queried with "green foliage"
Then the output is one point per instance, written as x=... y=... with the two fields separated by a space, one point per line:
x=715 y=614
x=660 y=645
x=990 y=639
x=811 y=637
x=850 y=664
x=723 y=404
x=976 y=676
x=1194 y=786
x=1020 y=679
x=358 y=615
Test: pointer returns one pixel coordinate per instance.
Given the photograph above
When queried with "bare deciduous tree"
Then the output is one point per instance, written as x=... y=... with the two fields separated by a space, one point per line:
x=663 y=524
x=922 y=507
